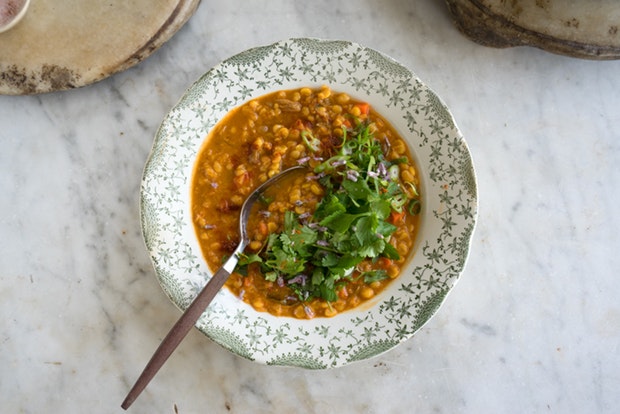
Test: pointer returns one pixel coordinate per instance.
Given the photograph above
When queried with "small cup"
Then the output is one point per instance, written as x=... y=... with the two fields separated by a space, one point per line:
x=11 y=12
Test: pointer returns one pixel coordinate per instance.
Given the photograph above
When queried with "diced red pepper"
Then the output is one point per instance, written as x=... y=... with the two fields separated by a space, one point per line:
x=248 y=281
x=396 y=217
x=364 y=108
x=384 y=262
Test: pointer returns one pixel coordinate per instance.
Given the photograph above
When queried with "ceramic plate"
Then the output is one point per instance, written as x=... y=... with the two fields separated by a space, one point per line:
x=449 y=202
x=63 y=45
x=584 y=29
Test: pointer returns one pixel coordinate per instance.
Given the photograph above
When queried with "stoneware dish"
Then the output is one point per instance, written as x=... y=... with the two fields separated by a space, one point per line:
x=449 y=203
x=576 y=28
x=62 y=45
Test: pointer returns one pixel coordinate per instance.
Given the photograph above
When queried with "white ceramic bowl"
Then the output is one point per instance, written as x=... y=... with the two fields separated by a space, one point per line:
x=449 y=202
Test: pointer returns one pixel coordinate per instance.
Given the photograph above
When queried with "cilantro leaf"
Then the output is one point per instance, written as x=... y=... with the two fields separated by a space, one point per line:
x=381 y=207
x=385 y=229
x=285 y=262
x=373 y=248
x=365 y=229
x=339 y=222
x=374 y=275
x=357 y=190
x=330 y=260
x=327 y=290
x=390 y=252
x=329 y=206
x=347 y=262
x=302 y=241
x=317 y=276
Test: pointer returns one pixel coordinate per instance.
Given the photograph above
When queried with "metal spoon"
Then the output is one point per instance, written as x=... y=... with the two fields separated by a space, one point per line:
x=204 y=298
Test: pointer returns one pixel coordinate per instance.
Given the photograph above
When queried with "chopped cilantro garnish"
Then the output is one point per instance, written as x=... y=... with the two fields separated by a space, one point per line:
x=316 y=255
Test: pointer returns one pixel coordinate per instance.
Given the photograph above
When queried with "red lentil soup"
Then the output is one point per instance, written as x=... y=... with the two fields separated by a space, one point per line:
x=300 y=127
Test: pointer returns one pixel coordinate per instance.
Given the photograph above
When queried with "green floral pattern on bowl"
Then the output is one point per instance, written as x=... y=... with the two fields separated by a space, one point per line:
x=448 y=186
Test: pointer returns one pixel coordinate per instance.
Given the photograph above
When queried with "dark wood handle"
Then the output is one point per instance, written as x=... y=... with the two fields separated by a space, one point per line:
x=177 y=333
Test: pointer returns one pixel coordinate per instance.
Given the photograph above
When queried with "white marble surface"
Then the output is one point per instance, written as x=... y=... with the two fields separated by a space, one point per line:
x=532 y=326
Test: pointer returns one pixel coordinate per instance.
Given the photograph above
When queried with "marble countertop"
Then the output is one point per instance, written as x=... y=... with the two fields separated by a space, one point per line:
x=532 y=326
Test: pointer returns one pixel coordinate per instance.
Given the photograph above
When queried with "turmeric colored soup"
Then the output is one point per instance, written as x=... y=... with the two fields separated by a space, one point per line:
x=260 y=139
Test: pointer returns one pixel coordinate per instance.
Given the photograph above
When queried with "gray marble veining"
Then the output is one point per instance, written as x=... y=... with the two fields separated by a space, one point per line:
x=532 y=326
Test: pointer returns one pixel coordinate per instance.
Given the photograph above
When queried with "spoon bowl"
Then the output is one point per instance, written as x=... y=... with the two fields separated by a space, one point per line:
x=246 y=209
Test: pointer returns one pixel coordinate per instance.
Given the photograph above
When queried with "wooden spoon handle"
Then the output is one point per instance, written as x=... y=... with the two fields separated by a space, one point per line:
x=179 y=331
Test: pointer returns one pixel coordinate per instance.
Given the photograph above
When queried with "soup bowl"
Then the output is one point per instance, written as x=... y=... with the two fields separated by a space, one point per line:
x=448 y=202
